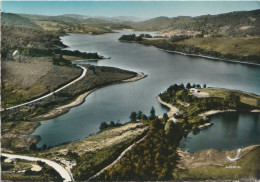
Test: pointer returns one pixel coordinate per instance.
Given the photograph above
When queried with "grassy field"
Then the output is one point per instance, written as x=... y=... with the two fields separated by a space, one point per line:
x=56 y=26
x=50 y=25
x=244 y=49
x=34 y=77
x=249 y=167
x=247 y=98
x=240 y=46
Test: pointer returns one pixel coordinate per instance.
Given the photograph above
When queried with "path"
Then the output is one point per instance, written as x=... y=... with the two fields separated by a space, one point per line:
x=237 y=156
x=45 y=96
x=121 y=155
x=61 y=170
x=173 y=110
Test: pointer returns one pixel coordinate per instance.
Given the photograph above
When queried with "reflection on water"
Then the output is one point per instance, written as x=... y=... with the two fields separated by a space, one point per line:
x=230 y=131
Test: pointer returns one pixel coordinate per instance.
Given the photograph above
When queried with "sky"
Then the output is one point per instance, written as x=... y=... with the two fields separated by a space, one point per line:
x=145 y=9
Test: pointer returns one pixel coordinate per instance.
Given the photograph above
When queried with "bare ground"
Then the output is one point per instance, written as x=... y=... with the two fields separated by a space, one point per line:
x=209 y=157
x=15 y=134
x=102 y=140
x=37 y=71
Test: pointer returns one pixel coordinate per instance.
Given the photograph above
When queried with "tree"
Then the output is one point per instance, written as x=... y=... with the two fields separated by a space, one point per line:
x=44 y=147
x=165 y=117
x=144 y=117
x=33 y=146
x=204 y=86
x=152 y=114
x=185 y=121
x=188 y=86
x=198 y=86
x=140 y=115
x=103 y=126
x=233 y=99
x=156 y=123
x=133 y=117
x=168 y=127
x=112 y=124
x=182 y=86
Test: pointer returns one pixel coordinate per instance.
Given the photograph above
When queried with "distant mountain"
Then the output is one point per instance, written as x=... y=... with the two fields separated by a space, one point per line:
x=76 y=16
x=123 y=19
x=116 y=19
x=247 y=22
x=239 y=23
x=78 y=20
x=70 y=21
x=10 y=19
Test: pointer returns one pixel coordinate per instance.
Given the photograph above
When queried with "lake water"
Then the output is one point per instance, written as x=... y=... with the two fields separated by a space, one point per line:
x=229 y=131
x=116 y=102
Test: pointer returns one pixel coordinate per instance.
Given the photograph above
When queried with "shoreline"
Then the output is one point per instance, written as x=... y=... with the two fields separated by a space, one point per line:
x=193 y=160
x=60 y=110
x=198 y=55
x=213 y=112
x=209 y=57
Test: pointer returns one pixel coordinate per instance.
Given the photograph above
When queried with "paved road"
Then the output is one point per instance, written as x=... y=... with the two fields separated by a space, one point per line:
x=45 y=96
x=61 y=170
x=121 y=155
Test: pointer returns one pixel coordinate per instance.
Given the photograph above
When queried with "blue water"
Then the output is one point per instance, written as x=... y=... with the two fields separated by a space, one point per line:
x=116 y=102
x=229 y=131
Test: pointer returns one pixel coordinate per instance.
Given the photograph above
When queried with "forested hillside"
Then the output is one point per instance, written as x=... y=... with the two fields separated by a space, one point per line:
x=235 y=23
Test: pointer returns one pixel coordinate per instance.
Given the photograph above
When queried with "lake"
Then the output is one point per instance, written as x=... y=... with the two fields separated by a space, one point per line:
x=228 y=132
x=116 y=102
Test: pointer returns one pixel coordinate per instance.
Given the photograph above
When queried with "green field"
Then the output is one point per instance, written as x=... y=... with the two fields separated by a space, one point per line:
x=240 y=46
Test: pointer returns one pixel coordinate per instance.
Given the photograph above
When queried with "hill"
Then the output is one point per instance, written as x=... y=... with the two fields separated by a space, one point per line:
x=234 y=23
x=78 y=20
x=10 y=19
x=240 y=23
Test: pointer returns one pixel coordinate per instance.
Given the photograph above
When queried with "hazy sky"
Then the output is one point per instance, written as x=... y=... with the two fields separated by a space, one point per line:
x=147 y=9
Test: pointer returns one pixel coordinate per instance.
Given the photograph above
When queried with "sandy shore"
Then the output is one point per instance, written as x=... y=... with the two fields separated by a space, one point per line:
x=78 y=101
x=208 y=113
x=138 y=77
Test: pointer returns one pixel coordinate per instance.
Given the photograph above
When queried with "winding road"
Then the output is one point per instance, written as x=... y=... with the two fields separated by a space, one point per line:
x=66 y=175
x=61 y=170
x=45 y=96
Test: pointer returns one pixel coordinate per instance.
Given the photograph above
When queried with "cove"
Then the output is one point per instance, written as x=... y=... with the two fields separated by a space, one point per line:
x=229 y=131
x=116 y=102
